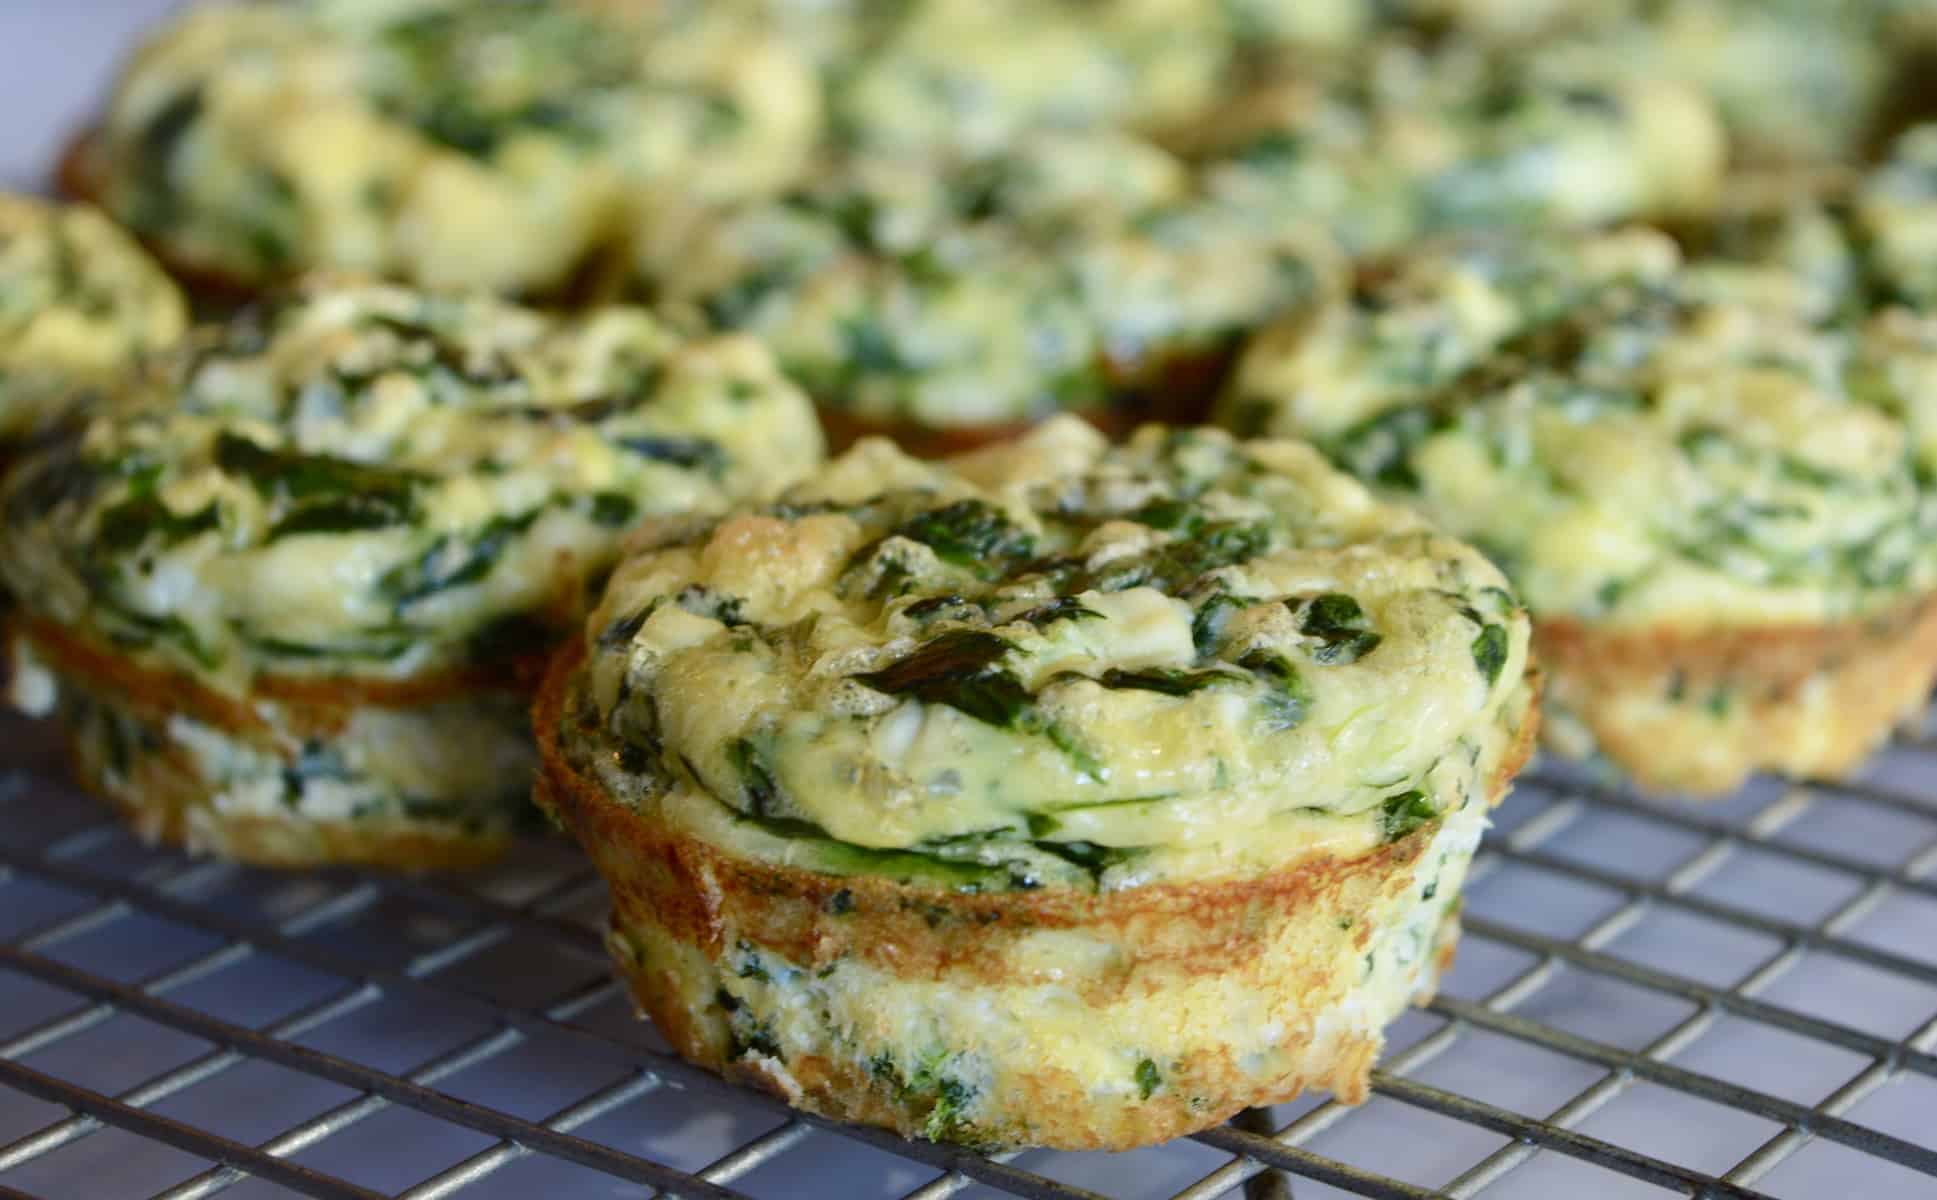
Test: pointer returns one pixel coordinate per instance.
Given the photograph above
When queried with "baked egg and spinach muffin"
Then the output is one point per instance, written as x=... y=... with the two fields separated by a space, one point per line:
x=1712 y=490
x=447 y=143
x=969 y=76
x=1408 y=140
x=1795 y=81
x=1061 y=795
x=80 y=304
x=288 y=602
x=948 y=301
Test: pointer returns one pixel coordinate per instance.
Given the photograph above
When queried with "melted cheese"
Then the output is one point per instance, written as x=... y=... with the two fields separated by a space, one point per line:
x=369 y=481
x=1207 y=655
x=80 y=303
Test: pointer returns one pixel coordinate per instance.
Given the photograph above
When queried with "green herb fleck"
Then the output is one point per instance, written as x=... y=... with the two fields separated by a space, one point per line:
x=131 y=523
x=613 y=509
x=692 y=453
x=1207 y=627
x=451 y=562
x=1069 y=608
x=1168 y=682
x=1148 y=1078
x=757 y=783
x=1341 y=626
x=1490 y=653
x=957 y=669
x=972 y=534
x=1405 y=812
x=1289 y=698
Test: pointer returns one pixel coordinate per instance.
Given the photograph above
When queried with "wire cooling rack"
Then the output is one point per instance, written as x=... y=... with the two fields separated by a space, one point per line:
x=1736 y=999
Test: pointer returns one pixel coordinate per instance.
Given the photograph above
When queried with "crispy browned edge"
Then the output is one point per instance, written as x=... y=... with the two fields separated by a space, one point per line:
x=167 y=788
x=712 y=900
x=1175 y=390
x=1879 y=672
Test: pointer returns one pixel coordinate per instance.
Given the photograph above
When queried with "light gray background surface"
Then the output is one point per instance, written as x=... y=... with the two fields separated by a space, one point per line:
x=56 y=59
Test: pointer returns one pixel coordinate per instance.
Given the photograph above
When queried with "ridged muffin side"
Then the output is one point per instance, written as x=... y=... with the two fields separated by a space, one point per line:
x=1000 y=852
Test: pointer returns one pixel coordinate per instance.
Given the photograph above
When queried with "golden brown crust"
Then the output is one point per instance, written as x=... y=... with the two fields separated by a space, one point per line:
x=319 y=706
x=695 y=903
x=1808 y=701
x=166 y=799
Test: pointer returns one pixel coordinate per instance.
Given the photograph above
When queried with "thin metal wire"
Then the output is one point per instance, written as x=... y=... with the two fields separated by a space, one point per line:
x=1262 y=1160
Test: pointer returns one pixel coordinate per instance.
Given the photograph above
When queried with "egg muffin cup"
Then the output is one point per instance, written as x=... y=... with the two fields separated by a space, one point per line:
x=1696 y=709
x=288 y=602
x=1064 y=796
x=447 y=144
x=1708 y=476
x=953 y=302
x=80 y=305
x=296 y=773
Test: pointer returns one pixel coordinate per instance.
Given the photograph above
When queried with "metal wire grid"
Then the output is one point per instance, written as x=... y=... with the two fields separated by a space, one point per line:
x=514 y=959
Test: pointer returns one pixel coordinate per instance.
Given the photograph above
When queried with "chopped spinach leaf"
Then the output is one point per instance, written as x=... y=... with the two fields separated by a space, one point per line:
x=1207 y=627
x=452 y=562
x=1069 y=608
x=293 y=476
x=1289 y=698
x=613 y=509
x=1380 y=447
x=958 y=670
x=1167 y=681
x=1401 y=814
x=1091 y=857
x=1490 y=653
x=869 y=348
x=972 y=534
x=1180 y=562
x=168 y=628
x=692 y=453
x=1341 y=626
x=623 y=630
x=131 y=523
x=757 y=783
x=956 y=654
x=338 y=514
x=935 y=606
x=1148 y=1078
x=1172 y=516
x=703 y=601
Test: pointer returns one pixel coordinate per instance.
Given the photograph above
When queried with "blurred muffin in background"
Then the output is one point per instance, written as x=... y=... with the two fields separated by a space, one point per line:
x=447 y=143
x=1710 y=481
x=80 y=305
